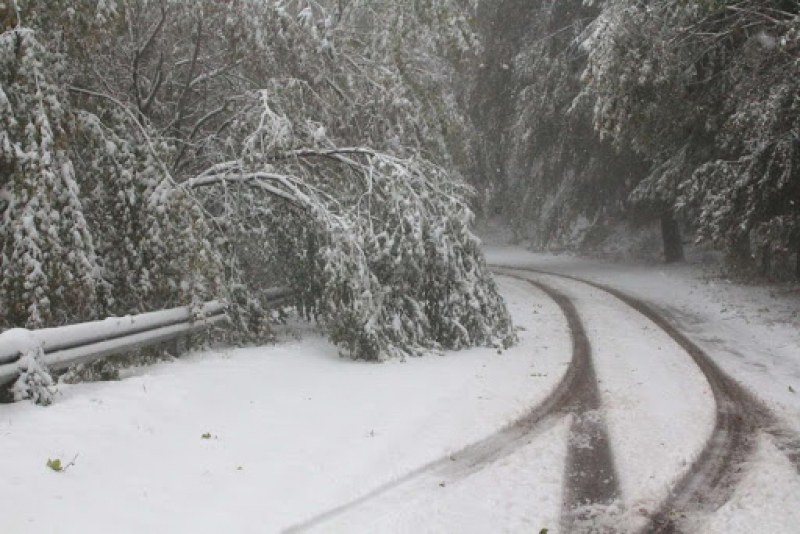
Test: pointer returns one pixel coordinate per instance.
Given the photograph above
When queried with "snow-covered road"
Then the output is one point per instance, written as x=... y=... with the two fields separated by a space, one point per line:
x=756 y=431
x=294 y=431
x=298 y=439
x=655 y=401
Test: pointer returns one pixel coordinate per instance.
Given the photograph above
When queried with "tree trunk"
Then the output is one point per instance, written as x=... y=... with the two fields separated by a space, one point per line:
x=671 y=235
x=797 y=263
x=766 y=261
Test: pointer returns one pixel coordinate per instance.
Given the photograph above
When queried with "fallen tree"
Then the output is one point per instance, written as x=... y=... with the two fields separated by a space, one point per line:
x=378 y=247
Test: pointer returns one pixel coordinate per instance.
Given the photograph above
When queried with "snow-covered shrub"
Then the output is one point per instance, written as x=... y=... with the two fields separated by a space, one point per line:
x=34 y=382
x=412 y=275
x=152 y=240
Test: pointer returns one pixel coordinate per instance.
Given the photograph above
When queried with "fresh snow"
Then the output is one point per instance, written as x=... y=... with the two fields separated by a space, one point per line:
x=297 y=434
x=16 y=341
x=655 y=401
x=520 y=492
x=765 y=501
x=294 y=431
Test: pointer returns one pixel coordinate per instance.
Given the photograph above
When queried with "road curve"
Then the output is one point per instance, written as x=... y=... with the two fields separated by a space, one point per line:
x=591 y=483
x=713 y=476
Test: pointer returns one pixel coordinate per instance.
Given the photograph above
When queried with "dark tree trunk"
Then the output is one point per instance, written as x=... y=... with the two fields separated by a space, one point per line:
x=797 y=263
x=671 y=235
x=766 y=261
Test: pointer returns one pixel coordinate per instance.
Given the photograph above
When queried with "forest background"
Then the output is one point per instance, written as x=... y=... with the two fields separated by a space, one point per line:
x=156 y=153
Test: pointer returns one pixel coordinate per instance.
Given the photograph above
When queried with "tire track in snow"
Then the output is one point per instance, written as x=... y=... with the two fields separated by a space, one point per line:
x=590 y=475
x=591 y=482
x=715 y=473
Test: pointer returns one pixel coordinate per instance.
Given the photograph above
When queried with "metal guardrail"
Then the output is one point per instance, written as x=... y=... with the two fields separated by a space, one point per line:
x=87 y=342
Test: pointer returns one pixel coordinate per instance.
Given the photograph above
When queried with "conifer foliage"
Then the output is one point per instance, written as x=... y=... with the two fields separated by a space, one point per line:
x=684 y=111
x=49 y=265
x=166 y=152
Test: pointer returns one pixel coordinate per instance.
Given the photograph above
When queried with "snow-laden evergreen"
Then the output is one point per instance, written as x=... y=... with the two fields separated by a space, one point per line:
x=678 y=112
x=48 y=267
x=709 y=93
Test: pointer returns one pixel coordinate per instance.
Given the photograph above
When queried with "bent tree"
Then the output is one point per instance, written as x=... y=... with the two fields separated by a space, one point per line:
x=378 y=247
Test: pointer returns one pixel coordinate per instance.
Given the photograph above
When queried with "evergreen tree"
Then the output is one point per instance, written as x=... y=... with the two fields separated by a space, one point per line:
x=697 y=98
x=48 y=265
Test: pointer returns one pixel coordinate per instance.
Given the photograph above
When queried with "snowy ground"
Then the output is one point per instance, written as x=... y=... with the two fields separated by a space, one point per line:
x=295 y=430
x=297 y=437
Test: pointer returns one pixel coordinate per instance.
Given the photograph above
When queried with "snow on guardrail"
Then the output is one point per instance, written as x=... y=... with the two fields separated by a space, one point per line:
x=85 y=342
x=17 y=341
